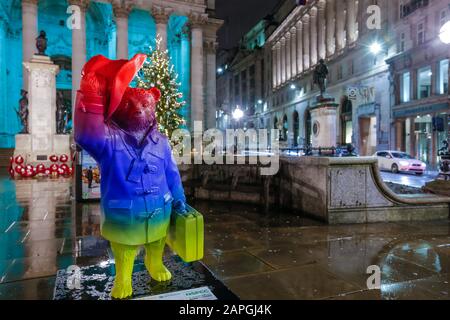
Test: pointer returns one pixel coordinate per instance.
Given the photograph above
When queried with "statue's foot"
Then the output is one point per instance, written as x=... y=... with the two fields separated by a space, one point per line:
x=122 y=290
x=158 y=271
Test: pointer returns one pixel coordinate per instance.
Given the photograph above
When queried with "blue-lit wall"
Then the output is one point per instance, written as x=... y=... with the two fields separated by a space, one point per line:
x=100 y=31
x=10 y=70
x=100 y=39
x=141 y=32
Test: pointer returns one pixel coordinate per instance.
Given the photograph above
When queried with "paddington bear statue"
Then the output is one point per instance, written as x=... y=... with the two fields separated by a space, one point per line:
x=140 y=181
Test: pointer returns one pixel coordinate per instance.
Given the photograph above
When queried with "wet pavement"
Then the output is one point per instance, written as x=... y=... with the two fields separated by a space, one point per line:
x=275 y=256
x=409 y=179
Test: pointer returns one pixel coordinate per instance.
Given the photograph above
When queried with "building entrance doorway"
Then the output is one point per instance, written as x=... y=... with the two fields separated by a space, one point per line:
x=296 y=128
x=308 y=128
x=367 y=135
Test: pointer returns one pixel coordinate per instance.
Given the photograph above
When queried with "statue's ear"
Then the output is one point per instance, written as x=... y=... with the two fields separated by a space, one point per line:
x=155 y=93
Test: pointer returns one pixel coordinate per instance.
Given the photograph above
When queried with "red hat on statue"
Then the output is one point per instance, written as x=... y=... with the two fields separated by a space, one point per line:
x=118 y=73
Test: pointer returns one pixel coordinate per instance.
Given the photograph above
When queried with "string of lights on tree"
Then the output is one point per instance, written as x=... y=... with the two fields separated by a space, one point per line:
x=158 y=71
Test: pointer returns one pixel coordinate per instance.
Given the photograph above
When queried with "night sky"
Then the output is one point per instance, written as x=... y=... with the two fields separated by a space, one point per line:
x=240 y=16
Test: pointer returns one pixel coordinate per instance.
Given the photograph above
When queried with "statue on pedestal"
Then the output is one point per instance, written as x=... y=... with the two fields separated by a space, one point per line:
x=23 y=111
x=320 y=77
x=141 y=184
x=61 y=114
x=41 y=43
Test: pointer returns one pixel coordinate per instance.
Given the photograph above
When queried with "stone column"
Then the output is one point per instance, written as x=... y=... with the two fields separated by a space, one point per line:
x=185 y=75
x=399 y=135
x=340 y=25
x=412 y=137
x=306 y=51
x=283 y=60
x=313 y=32
x=274 y=66
x=258 y=78
x=331 y=27
x=121 y=13
x=294 y=69
x=29 y=34
x=78 y=48
x=197 y=21
x=288 y=57
x=210 y=47
x=4 y=114
x=322 y=29
x=299 y=28
x=161 y=16
x=351 y=21
x=278 y=55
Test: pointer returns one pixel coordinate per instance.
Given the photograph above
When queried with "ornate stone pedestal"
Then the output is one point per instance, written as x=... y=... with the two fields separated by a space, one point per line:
x=323 y=122
x=42 y=140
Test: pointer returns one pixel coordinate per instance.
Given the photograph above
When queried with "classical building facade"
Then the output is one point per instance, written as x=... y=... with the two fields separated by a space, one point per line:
x=243 y=74
x=118 y=29
x=240 y=79
x=420 y=69
x=355 y=47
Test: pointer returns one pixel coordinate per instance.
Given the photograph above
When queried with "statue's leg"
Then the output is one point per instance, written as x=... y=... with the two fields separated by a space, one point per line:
x=154 y=261
x=124 y=256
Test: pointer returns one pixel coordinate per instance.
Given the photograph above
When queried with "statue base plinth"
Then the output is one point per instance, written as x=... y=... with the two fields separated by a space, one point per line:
x=323 y=121
x=97 y=281
x=324 y=98
x=42 y=141
x=37 y=58
x=38 y=148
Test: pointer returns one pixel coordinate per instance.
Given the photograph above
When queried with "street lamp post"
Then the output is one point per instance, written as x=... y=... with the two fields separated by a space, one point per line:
x=237 y=115
x=375 y=48
x=444 y=33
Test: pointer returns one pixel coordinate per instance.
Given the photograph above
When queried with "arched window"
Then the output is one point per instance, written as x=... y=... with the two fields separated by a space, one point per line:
x=308 y=128
x=346 y=120
x=296 y=128
x=285 y=129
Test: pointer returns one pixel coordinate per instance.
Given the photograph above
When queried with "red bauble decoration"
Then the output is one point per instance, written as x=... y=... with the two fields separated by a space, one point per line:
x=11 y=172
x=11 y=160
x=64 y=167
x=47 y=172
x=19 y=160
x=54 y=158
x=61 y=171
x=18 y=169
x=70 y=171
x=40 y=168
x=29 y=167
x=54 y=168
x=64 y=158
x=29 y=173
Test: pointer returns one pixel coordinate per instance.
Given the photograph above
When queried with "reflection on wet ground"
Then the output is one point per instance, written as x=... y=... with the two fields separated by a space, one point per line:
x=276 y=256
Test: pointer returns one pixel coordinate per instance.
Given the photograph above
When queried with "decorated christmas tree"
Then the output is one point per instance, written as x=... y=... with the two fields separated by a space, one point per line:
x=159 y=72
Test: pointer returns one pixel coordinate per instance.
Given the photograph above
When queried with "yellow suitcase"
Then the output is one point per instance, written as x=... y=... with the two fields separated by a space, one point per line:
x=186 y=235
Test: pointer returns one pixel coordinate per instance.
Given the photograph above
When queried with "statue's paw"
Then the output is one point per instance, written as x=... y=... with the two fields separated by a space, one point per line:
x=159 y=273
x=122 y=290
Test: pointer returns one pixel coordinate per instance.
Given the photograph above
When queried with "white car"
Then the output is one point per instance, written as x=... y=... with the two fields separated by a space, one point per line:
x=397 y=161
